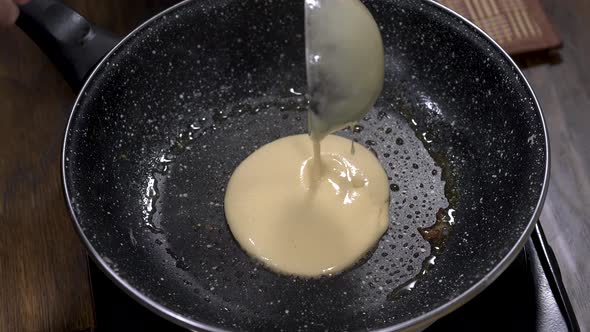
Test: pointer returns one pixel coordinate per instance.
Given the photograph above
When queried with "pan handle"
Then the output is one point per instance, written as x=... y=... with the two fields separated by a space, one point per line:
x=72 y=43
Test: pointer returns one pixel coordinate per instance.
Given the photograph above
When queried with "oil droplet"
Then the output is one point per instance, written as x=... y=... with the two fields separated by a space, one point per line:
x=370 y=142
x=357 y=129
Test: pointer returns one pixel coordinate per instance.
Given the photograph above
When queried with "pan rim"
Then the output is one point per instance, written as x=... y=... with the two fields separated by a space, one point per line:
x=421 y=321
x=430 y=317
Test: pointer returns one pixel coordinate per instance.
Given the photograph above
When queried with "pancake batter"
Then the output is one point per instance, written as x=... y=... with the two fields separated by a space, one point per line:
x=299 y=226
x=306 y=210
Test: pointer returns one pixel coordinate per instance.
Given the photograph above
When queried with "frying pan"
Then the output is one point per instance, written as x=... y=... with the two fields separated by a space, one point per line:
x=169 y=112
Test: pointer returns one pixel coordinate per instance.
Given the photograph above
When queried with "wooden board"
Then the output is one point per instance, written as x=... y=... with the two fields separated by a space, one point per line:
x=520 y=26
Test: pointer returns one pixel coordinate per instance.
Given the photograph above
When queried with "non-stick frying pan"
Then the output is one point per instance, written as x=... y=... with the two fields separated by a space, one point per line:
x=166 y=116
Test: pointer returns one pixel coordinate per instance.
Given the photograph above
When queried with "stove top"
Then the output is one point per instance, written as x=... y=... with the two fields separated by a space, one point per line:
x=528 y=296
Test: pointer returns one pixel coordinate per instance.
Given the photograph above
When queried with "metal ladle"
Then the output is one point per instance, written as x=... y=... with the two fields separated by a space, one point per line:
x=345 y=65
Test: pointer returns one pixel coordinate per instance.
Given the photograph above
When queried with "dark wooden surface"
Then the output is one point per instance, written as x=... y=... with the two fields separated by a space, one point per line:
x=563 y=89
x=43 y=273
x=43 y=278
x=43 y=269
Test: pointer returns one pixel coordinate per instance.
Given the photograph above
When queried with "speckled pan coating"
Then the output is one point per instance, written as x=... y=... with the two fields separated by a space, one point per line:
x=167 y=116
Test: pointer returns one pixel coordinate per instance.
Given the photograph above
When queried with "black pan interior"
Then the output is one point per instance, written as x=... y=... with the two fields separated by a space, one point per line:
x=172 y=111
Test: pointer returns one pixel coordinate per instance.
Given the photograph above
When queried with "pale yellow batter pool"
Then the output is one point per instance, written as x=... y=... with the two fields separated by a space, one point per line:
x=298 y=226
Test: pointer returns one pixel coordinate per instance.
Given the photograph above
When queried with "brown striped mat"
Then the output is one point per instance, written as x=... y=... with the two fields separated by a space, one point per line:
x=518 y=25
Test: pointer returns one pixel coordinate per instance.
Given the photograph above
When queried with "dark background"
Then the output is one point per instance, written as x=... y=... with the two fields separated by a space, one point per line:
x=43 y=271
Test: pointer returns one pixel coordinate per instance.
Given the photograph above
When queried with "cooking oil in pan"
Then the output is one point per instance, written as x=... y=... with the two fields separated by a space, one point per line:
x=185 y=190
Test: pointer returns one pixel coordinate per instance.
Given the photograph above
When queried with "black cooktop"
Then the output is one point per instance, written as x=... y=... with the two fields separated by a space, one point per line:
x=528 y=296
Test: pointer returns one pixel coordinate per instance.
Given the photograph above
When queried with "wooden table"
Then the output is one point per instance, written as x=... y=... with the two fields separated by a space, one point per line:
x=562 y=85
x=43 y=272
x=43 y=267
